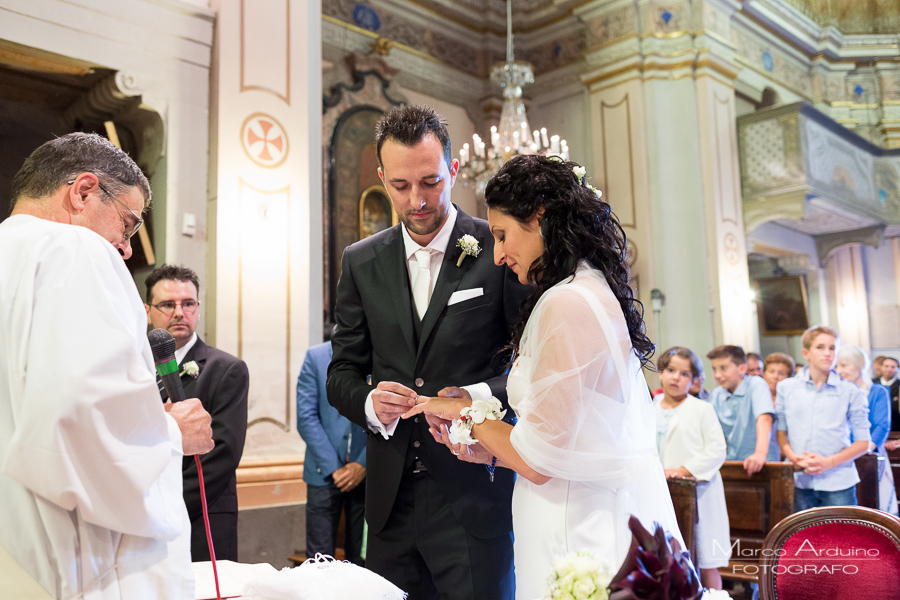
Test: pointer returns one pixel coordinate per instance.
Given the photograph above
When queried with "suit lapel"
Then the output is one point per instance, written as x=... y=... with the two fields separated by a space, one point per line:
x=394 y=273
x=197 y=353
x=450 y=275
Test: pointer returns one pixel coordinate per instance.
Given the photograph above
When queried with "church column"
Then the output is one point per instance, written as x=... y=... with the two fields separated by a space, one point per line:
x=265 y=211
x=665 y=153
x=848 y=296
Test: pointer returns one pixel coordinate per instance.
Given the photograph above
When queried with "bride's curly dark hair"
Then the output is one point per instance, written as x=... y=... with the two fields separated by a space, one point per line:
x=576 y=225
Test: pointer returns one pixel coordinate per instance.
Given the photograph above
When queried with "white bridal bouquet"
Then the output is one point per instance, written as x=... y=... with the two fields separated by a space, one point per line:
x=579 y=576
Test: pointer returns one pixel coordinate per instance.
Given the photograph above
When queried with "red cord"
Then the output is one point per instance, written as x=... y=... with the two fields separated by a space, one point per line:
x=212 y=552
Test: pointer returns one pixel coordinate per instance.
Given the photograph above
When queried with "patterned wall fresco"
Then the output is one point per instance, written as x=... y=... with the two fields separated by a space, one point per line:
x=472 y=54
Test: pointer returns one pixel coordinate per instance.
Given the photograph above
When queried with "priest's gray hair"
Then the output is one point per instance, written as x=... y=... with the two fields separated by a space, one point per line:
x=62 y=159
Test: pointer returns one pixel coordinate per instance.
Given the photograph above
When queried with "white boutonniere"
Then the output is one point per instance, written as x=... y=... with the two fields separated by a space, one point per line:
x=469 y=246
x=190 y=368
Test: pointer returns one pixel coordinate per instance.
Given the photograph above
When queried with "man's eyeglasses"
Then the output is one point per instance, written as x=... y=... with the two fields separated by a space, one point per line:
x=138 y=220
x=167 y=307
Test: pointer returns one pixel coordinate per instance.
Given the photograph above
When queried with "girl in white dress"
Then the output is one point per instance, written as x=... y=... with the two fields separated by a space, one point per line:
x=691 y=444
x=584 y=444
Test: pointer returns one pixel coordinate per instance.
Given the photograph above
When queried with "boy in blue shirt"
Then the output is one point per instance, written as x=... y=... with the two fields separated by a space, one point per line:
x=743 y=404
x=817 y=411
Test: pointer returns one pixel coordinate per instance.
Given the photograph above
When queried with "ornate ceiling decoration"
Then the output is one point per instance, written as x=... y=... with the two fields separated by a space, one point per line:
x=853 y=16
x=490 y=15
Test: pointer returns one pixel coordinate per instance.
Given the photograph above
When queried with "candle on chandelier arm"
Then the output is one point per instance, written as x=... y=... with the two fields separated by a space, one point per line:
x=545 y=142
x=481 y=149
x=516 y=143
x=554 y=144
x=537 y=139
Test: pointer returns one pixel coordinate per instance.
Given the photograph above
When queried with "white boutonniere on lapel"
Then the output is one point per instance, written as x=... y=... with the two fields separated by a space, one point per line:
x=469 y=246
x=190 y=368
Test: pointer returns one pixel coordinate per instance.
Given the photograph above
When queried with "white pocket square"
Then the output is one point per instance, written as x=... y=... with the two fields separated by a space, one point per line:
x=463 y=295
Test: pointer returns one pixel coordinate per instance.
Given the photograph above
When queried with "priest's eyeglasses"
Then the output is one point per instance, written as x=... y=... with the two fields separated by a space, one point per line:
x=129 y=233
x=167 y=307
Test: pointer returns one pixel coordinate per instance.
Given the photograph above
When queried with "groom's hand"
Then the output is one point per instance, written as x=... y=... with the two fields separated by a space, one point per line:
x=454 y=392
x=437 y=423
x=391 y=399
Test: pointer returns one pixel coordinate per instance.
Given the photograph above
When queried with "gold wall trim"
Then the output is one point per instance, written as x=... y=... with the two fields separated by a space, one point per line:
x=653 y=65
x=603 y=106
x=707 y=63
x=720 y=163
x=287 y=76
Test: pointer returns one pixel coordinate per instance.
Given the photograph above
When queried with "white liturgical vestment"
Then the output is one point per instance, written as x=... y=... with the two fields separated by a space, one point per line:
x=90 y=464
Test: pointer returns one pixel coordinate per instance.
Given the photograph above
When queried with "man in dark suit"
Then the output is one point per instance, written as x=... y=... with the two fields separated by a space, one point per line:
x=423 y=317
x=221 y=382
x=334 y=468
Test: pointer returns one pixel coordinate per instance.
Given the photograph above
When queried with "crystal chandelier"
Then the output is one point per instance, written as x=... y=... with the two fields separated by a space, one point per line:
x=480 y=161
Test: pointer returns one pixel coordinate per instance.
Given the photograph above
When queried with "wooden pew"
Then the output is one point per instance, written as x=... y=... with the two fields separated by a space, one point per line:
x=756 y=503
x=894 y=457
x=684 y=499
x=867 y=488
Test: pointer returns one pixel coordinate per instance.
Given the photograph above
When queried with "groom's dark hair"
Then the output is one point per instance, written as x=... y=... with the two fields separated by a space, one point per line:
x=408 y=124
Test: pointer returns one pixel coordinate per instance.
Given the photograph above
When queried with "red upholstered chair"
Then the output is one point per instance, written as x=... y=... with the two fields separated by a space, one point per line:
x=832 y=552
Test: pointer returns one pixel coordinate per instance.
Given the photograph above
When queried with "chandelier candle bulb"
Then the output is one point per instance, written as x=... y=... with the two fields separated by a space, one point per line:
x=554 y=144
x=516 y=143
x=545 y=142
x=537 y=139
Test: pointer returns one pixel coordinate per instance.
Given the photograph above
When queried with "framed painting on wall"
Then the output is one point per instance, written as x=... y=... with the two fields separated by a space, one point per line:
x=783 y=305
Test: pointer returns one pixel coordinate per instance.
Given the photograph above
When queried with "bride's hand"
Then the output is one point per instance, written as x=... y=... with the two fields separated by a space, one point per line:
x=474 y=453
x=443 y=408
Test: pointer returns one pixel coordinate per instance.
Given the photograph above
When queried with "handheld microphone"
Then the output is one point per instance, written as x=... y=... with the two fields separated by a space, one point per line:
x=163 y=346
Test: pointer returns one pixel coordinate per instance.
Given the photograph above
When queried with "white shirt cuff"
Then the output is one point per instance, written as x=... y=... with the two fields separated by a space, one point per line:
x=479 y=391
x=374 y=424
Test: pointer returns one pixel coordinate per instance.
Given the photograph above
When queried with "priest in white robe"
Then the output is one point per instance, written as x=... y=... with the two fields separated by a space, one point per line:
x=90 y=461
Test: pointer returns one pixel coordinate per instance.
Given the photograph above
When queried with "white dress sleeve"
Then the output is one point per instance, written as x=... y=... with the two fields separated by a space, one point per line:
x=91 y=434
x=583 y=417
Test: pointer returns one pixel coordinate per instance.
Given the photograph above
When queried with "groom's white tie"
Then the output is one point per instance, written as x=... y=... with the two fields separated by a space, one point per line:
x=422 y=286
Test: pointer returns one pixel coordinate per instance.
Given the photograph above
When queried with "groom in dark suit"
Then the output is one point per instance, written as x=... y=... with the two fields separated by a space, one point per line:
x=221 y=382
x=422 y=317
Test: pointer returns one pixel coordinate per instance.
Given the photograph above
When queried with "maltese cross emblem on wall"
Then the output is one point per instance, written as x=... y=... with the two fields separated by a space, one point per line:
x=264 y=140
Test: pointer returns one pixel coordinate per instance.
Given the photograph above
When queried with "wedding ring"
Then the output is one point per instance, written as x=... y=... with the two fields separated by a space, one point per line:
x=455 y=453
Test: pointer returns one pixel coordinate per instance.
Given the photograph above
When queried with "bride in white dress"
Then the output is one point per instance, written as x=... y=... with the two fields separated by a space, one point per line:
x=584 y=443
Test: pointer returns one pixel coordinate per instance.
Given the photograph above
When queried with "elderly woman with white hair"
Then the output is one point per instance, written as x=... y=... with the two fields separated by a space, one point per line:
x=852 y=364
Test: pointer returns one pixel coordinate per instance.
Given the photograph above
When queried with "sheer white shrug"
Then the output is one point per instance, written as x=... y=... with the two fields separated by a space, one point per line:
x=586 y=414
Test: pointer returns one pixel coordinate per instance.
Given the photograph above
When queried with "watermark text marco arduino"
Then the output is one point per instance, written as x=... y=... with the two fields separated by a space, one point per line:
x=807 y=559
x=806 y=551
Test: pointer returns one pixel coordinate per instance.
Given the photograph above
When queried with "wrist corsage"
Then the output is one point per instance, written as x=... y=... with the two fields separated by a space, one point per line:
x=479 y=410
